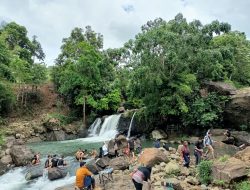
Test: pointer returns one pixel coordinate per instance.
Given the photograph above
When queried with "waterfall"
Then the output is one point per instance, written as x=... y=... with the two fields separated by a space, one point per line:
x=95 y=127
x=130 y=126
x=109 y=126
x=106 y=130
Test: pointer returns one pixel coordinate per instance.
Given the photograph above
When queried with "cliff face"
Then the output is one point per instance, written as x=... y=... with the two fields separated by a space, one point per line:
x=237 y=110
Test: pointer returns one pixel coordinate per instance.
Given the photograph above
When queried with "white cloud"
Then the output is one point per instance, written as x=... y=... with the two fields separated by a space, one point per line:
x=117 y=20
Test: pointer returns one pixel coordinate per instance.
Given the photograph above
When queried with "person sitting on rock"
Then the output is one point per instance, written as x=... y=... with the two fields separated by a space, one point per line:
x=185 y=154
x=229 y=138
x=54 y=161
x=139 y=175
x=79 y=155
x=61 y=161
x=81 y=174
x=198 y=150
x=48 y=162
x=34 y=160
x=165 y=146
x=157 y=143
x=93 y=153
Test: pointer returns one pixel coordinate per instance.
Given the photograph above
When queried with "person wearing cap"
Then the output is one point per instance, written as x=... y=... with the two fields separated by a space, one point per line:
x=81 y=173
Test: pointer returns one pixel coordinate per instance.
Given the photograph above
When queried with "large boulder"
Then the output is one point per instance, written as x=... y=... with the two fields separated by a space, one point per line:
x=21 y=155
x=230 y=170
x=6 y=159
x=222 y=149
x=102 y=162
x=3 y=168
x=52 y=124
x=237 y=110
x=241 y=137
x=56 y=135
x=244 y=155
x=152 y=156
x=91 y=165
x=57 y=173
x=34 y=172
x=119 y=163
x=159 y=134
x=122 y=142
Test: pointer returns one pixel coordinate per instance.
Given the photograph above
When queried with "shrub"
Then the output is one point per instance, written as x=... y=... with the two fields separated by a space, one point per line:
x=244 y=185
x=224 y=158
x=204 y=172
x=2 y=141
x=64 y=120
x=7 y=98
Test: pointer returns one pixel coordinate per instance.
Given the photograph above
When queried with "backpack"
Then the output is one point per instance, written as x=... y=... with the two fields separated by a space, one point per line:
x=87 y=181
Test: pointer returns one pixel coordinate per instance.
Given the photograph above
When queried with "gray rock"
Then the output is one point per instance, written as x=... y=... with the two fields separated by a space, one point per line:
x=102 y=162
x=6 y=159
x=57 y=173
x=119 y=163
x=21 y=155
x=34 y=172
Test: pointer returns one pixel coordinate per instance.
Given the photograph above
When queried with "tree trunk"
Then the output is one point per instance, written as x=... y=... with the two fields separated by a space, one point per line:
x=84 y=112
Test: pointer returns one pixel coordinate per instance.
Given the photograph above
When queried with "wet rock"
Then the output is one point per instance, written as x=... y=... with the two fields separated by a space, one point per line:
x=34 y=172
x=55 y=135
x=3 y=168
x=152 y=156
x=21 y=155
x=119 y=163
x=229 y=170
x=159 y=134
x=57 y=173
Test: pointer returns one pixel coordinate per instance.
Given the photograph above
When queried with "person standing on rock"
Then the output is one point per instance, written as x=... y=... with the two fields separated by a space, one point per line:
x=138 y=146
x=198 y=150
x=185 y=154
x=105 y=149
x=81 y=174
x=208 y=142
x=131 y=146
x=139 y=175
x=157 y=143
x=48 y=162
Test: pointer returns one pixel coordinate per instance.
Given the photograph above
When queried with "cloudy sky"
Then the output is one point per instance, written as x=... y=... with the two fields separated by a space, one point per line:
x=117 y=20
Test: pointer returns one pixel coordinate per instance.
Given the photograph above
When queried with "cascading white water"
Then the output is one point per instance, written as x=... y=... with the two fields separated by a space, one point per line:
x=94 y=128
x=109 y=127
x=130 y=126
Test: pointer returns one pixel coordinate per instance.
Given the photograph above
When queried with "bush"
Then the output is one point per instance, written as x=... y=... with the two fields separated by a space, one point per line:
x=7 y=98
x=244 y=185
x=2 y=141
x=204 y=172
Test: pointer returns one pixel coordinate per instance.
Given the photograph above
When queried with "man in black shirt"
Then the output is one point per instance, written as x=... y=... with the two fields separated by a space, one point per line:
x=198 y=149
x=54 y=161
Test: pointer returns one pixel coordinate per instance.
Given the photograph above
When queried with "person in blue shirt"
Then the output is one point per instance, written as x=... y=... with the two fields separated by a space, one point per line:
x=157 y=143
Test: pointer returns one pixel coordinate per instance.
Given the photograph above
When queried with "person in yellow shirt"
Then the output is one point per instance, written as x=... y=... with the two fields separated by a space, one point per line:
x=81 y=173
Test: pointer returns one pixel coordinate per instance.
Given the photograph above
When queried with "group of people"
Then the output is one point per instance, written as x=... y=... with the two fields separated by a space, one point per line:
x=54 y=161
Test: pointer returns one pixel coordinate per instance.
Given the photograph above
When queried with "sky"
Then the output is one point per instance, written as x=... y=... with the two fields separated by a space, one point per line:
x=117 y=20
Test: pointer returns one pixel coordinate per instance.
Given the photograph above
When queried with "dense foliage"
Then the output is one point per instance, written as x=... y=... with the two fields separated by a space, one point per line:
x=160 y=71
x=18 y=69
x=204 y=172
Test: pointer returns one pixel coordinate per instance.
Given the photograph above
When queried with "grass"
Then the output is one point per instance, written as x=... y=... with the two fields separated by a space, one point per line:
x=224 y=158
x=244 y=185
